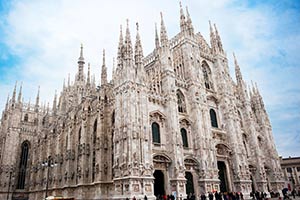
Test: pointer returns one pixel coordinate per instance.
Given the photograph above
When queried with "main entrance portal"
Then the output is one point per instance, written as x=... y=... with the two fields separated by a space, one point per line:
x=189 y=183
x=159 y=183
x=223 y=176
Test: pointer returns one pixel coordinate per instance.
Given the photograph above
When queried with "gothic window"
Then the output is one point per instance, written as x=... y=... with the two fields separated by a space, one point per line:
x=94 y=150
x=79 y=135
x=206 y=75
x=181 y=102
x=259 y=139
x=23 y=165
x=184 y=138
x=245 y=144
x=213 y=118
x=155 y=133
x=113 y=119
x=26 y=118
x=289 y=170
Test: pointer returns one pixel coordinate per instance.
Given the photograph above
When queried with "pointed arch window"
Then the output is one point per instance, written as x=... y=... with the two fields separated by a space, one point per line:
x=181 y=102
x=245 y=141
x=213 y=118
x=94 y=150
x=206 y=75
x=26 y=118
x=23 y=165
x=79 y=135
x=184 y=137
x=155 y=133
x=67 y=142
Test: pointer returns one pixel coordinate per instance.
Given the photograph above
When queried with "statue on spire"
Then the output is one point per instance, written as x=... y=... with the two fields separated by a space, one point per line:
x=189 y=24
x=182 y=19
x=128 y=45
x=218 y=41
x=163 y=33
x=80 y=75
x=37 y=101
x=103 y=70
x=20 y=94
x=120 y=48
x=138 y=47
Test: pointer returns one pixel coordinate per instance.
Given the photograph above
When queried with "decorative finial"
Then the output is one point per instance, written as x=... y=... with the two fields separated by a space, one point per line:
x=156 y=37
x=20 y=93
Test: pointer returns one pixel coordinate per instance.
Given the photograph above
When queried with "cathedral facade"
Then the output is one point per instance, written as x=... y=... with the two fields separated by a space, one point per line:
x=172 y=122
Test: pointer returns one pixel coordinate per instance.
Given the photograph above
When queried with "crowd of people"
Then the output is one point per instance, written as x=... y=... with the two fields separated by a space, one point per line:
x=227 y=196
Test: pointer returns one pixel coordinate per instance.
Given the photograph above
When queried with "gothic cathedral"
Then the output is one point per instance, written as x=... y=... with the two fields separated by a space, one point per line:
x=172 y=122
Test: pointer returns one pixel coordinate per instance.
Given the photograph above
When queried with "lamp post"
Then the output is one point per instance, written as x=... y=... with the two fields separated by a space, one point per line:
x=49 y=163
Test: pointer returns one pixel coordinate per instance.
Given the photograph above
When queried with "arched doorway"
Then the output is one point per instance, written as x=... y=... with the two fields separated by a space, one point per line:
x=189 y=183
x=159 y=183
x=223 y=176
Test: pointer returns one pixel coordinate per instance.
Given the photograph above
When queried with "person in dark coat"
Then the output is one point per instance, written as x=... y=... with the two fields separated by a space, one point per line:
x=210 y=196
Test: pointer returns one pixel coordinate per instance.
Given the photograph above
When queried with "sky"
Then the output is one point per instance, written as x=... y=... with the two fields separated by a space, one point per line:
x=40 y=43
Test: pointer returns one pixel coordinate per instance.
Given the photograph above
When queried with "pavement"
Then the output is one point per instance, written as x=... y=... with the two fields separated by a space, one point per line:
x=291 y=198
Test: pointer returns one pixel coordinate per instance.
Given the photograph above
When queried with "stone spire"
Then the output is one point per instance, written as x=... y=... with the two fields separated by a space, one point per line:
x=14 y=93
x=212 y=38
x=48 y=107
x=120 y=47
x=54 y=106
x=189 y=24
x=80 y=75
x=36 y=107
x=163 y=33
x=7 y=102
x=69 y=80
x=238 y=73
x=88 y=80
x=103 y=70
x=218 y=40
x=239 y=78
x=138 y=53
x=156 y=38
x=182 y=19
x=113 y=69
x=128 y=45
x=81 y=59
x=20 y=94
x=93 y=81
x=29 y=102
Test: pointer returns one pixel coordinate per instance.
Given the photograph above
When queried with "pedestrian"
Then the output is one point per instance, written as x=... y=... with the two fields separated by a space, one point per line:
x=294 y=193
x=210 y=196
x=145 y=197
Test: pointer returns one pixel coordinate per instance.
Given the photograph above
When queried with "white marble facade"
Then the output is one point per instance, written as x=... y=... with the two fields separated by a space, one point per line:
x=173 y=121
